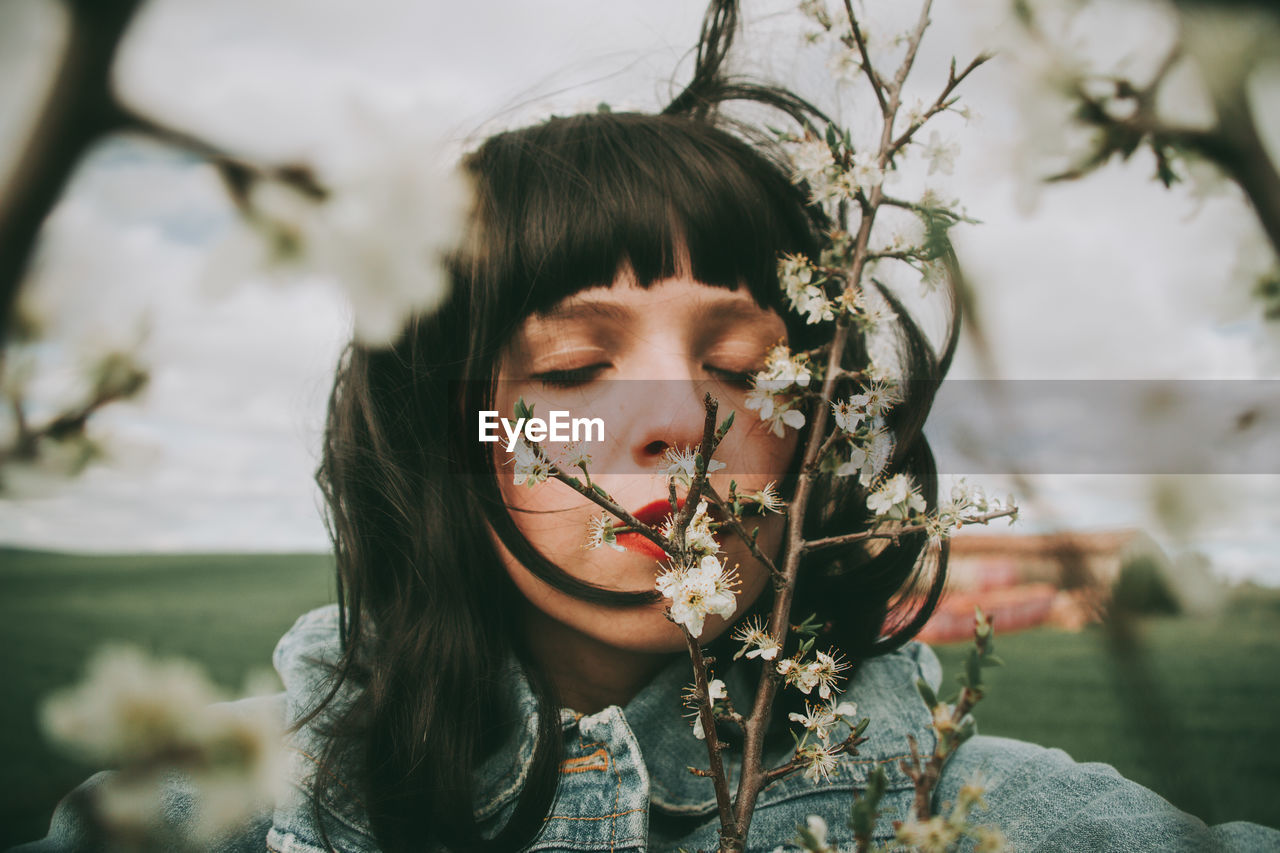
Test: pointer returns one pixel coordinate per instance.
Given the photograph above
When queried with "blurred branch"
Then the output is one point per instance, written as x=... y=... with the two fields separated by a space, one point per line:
x=79 y=110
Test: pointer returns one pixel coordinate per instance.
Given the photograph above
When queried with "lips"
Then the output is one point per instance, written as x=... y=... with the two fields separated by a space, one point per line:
x=654 y=514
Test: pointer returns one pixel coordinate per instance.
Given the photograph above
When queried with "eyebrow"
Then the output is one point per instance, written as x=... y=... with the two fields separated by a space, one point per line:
x=590 y=309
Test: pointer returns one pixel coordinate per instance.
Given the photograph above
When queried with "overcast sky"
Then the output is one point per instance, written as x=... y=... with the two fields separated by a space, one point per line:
x=1109 y=278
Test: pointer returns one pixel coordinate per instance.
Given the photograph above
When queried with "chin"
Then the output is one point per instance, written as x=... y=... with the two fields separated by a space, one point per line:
x=651 y=632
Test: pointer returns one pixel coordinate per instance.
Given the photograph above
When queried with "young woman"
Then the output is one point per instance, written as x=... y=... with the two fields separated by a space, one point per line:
x=485 y=682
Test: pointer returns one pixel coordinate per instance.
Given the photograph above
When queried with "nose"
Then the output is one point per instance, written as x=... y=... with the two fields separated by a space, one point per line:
x=669 y=413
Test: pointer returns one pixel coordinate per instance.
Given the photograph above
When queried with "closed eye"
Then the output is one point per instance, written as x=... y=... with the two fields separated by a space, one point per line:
x=571 y=377
x=736 y=378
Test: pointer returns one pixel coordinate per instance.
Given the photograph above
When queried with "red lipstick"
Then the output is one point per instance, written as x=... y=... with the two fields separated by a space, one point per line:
x=652 y=514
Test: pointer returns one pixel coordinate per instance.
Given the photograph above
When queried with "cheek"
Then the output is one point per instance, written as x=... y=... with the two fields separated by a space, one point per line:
x=753 y=454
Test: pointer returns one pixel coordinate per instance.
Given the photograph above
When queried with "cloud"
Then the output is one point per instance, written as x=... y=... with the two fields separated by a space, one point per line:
x=1111 y=277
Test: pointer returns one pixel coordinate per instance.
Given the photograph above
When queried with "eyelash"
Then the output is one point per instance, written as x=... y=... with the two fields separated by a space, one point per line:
x=570 y=378
x=577 y=376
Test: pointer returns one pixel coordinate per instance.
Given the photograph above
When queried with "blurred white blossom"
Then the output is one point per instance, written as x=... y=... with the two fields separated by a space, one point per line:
x=153 y=718
x=940 y=154
x=935 y=835
x=394 y=207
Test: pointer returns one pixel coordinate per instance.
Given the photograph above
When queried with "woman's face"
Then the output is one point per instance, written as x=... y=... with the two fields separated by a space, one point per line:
x=641 y=360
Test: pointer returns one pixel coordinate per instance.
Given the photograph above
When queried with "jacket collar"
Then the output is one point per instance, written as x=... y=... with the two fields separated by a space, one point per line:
x=883 y=688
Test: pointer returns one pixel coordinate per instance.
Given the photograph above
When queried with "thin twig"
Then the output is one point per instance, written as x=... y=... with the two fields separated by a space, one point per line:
x=730 y=835
x=735 y=524
x=877 y=85
x=897 y=532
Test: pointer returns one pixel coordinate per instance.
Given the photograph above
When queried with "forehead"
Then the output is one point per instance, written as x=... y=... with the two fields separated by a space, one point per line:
x=626 y=301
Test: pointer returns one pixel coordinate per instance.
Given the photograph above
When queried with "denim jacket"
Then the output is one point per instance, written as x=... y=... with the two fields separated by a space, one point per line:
x=625 y=784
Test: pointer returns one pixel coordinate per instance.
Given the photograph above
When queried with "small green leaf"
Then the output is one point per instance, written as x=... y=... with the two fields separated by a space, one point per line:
x=866 y=808
x=992 y=660
x=926 y=692
x=973 y=669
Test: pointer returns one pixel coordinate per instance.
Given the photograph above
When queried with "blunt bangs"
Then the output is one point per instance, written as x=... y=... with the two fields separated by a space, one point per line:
x=572 y=203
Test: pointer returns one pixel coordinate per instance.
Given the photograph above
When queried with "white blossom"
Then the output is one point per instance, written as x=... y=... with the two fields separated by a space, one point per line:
x=813 y=836
x=822 y=673
x=782 y=370
x=896 y=498
x=698 y=537
x=780 y=418
x=940 y=154
x=794 y=272
x=818 y=719
x=768 y=498
x=682 y=464
x=826 y=669
x=812 y=163
x=852 y=302
x=819 y=761
x=756 y=641
x=716 y=690
x=845 y=64
x=813 y=305
x=933 y=274
x=699 y=590
x=846 y=710
x=914 y=115
x=869 y=457
x=879 y=396
x=864 y=173
x=849 y=413
x=600 y=531
x=530 y=466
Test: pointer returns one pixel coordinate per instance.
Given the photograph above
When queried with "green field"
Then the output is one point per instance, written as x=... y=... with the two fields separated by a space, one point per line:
x=1215 y=704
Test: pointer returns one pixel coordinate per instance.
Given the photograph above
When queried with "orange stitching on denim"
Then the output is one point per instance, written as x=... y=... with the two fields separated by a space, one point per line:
x=583 y=763
x=329 y=773
x=617 y=794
